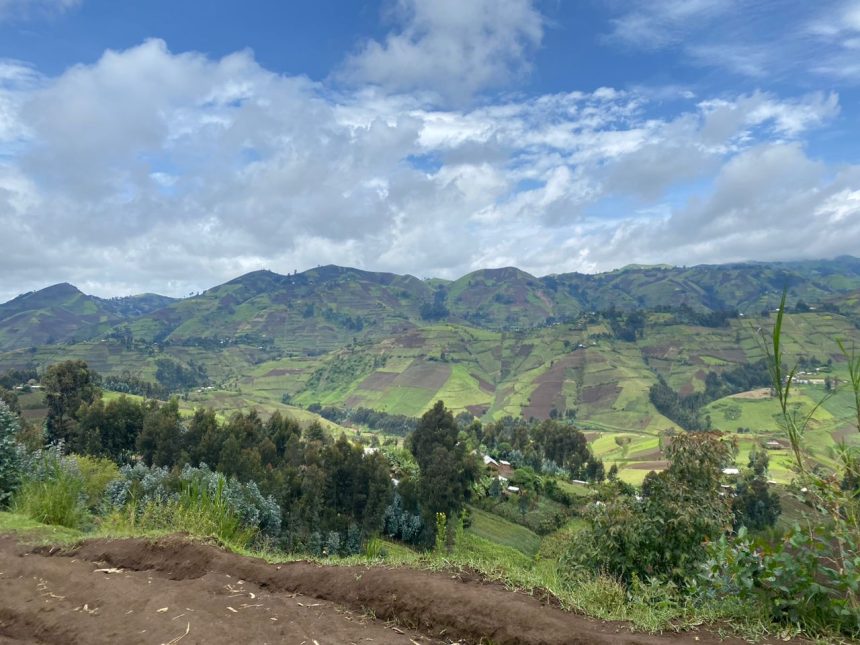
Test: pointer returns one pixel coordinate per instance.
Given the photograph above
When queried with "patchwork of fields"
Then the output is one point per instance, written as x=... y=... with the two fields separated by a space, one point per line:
x=575 y=370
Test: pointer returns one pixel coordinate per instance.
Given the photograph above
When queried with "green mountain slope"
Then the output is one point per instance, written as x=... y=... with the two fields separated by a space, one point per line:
x=330 y=307
x=310 y=312
x=495 y=342
x=62 y=313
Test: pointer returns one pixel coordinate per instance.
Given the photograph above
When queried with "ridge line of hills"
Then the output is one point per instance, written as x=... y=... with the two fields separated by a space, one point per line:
x=330 y=305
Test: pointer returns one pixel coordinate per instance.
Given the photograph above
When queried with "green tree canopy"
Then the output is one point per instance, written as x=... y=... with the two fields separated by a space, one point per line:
x=9 y=463
x=67 y=386
x=447 y=470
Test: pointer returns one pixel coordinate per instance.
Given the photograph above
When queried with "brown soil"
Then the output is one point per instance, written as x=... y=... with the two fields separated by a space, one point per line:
x=650 y=465
x=605 y=393
x=477 y=411
x=760 y=393
x=172 y=590
x=283 y=371
x=646 y=455
x=430 y=376
x=657 y=351
x=844 y=433
x=484 y=385
x=547 y=395
x=378 y=381
x=731 y=355
x=411 y=340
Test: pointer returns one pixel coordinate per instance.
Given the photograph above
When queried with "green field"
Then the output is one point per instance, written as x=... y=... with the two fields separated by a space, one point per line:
x=496 y=529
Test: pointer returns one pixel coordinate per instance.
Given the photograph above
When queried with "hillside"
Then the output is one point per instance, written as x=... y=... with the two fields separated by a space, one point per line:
x=330 y=307
x=494 y=343
x=62 y=313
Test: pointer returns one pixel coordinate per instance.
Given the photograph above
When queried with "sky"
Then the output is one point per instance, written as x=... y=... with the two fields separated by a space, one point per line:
x=170 y=146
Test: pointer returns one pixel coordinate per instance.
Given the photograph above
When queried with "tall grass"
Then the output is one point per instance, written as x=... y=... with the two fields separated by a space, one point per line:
x=196 y=511
x=62 y=490
x=58 y=498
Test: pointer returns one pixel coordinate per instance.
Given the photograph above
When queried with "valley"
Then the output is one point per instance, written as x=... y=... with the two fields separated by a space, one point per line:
x=501 y=343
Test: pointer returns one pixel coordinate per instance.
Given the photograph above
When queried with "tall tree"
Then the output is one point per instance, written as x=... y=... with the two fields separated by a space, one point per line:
x=160 y=441
x=67 y=386
x=447 y=471
x=109 y=430
x=662 y=532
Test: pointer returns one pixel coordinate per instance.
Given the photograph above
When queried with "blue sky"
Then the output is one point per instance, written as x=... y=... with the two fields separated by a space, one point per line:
x=166 y=146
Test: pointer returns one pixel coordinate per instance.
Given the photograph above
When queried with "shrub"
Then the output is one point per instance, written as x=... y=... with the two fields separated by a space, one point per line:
x=662 y=532
x=794 y=578
x=400 y=523
x=10 y=462
x=97 y=473
x=202 y=511
x=140 y=487
x=811 y=576
x=195 y=510
x=53 y=490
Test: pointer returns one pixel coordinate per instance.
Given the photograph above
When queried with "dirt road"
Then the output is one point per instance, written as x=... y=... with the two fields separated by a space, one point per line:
x=173 y=591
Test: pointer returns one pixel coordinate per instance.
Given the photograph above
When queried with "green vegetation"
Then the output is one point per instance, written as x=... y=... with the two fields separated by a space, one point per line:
x=10 y=463
x=495 y=529
x=302 y=397
x=659 y=532
x=52 y=490
x=446 y=471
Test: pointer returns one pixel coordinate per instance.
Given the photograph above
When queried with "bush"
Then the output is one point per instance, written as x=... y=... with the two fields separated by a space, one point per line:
x=53 y=490
x=662 y=532
x=811 y=577
x=195 y=510
x=97 y=473
x=140 y=487
x=202 y=511
x=793 y=578
x=10 y=463
x=400 y=523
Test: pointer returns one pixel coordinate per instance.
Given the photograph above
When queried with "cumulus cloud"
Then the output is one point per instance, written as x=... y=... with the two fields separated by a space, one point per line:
x=768 y=202
x=155 y=171
x=450 y=47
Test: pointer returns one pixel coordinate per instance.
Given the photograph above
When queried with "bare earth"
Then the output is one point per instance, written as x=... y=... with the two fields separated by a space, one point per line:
x=759 y=393
x=172 y=591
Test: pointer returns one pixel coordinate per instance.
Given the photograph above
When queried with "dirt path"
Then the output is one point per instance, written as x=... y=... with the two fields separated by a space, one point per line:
x=172 y=591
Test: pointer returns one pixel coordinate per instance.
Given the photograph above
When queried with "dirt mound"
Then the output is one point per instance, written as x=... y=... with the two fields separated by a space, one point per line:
x=108 y=591
x=167 y=594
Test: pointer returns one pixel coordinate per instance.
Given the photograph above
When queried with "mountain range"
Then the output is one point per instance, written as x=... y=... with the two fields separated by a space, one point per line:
x=327 y=307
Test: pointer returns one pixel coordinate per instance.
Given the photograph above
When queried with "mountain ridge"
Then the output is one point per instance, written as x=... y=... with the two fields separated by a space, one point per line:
x=329 y=306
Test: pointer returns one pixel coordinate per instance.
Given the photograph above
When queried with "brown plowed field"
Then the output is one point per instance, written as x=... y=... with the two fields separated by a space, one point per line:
x=171 y=591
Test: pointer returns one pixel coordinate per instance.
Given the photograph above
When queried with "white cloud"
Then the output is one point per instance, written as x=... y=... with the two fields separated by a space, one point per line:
x=450 y=47
x=769 y=202
x=155 y=171
x=660 y=23
x=759 y=39
x=26 y=9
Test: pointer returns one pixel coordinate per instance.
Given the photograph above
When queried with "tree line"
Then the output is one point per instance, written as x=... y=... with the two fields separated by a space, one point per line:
x=330 y=491
x=686 y=410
